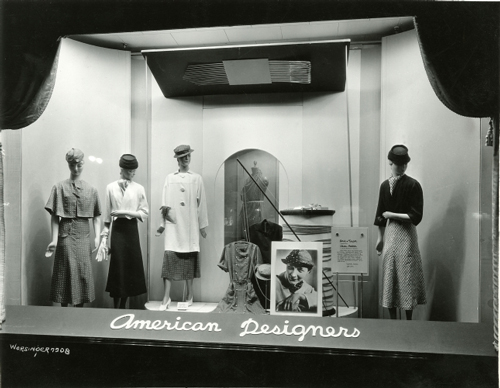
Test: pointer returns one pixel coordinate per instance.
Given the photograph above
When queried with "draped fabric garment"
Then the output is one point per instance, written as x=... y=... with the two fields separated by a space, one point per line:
x=240 y=259
x=252 y=197
x=263 y=234
x=32 y=90
x=460 y=54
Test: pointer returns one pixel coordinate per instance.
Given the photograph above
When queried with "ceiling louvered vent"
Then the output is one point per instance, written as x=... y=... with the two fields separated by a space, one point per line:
x=206 y=74
x=248 y=72
x=296 y=72
x=295 y=67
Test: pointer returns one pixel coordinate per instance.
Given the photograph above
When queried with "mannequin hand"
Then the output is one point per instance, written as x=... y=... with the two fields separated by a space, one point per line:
x=386 y=215
x=379 y=247
x=203 y=233
x=159 y=231
x=120 y=213
x=51 y=248
x=96 y=243
x=102 y=253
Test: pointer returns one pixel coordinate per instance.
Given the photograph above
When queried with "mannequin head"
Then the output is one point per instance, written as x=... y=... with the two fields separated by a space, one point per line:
x=128 y=165
x=75 y=159
x=127 y=174
x=398 y=159
x=397 y=170
x=183 y=155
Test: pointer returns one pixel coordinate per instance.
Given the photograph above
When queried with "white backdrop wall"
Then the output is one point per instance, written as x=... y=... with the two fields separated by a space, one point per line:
x=173 y=122
x=90 y=110
x=445 y=150
x=308 y=136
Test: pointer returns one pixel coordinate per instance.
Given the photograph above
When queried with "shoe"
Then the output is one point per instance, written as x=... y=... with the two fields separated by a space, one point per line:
x=190 y=302
x=164 y=307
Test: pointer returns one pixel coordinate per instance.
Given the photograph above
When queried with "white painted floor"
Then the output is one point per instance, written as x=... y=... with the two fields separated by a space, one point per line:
x=196 y=307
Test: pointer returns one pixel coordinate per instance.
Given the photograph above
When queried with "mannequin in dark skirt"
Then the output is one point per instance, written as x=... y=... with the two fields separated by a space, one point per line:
x=126 y=204
x=400 y=210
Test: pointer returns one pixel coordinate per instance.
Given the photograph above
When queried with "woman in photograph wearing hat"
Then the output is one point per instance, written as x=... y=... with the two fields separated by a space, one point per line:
x=72 y=203
x=184 y=210
x=399 y=211
x=126 y=204
x=293 y=293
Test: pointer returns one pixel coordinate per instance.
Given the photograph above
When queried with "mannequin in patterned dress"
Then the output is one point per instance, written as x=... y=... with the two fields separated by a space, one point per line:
x=399 y=211
x=72 y=204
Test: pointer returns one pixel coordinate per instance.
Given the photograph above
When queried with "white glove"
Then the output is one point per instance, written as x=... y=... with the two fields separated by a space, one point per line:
x=102 y=252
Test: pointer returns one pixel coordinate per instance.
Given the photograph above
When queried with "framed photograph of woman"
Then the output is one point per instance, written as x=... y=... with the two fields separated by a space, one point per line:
x=296 y=269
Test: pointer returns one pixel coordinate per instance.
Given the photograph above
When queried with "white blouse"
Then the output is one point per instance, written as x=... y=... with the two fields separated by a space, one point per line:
x=132 y=199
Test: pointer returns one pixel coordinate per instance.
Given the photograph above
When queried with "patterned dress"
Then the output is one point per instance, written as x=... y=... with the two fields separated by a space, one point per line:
x=75 y=202
x=240 y=259
x=403 y=278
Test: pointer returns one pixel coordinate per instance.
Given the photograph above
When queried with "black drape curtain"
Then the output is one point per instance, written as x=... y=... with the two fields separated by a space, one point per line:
x=460 y=55
x=27 y=91
x=459 y=42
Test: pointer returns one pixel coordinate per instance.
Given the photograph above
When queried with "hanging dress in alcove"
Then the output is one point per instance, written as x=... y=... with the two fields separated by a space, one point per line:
x=252 y=197
x=240 y=259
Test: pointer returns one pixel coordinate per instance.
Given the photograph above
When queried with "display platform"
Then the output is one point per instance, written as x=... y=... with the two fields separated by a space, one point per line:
x=50 y=346
x=196 y=307
x=345 y=312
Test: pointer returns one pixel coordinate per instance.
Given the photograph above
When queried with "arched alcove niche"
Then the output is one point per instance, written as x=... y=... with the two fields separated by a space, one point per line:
x=237 y=186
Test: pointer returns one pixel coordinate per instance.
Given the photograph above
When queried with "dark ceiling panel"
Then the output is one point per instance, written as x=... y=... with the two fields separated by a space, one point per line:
x=328 y=67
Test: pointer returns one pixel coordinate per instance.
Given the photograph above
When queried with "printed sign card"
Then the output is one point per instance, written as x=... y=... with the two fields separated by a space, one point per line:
x=350 y=250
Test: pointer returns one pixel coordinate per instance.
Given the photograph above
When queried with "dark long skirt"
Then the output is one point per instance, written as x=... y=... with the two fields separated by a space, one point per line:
x=126 y=271
x=72 y=280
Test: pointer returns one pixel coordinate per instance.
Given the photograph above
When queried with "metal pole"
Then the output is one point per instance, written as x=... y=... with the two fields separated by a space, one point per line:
x=337 y=295
x=361 y=297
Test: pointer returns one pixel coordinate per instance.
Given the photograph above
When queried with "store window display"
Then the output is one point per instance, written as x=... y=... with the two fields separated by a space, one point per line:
x=126 y=204
x=72 y=204
x=399 y=211
x=185 y=219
